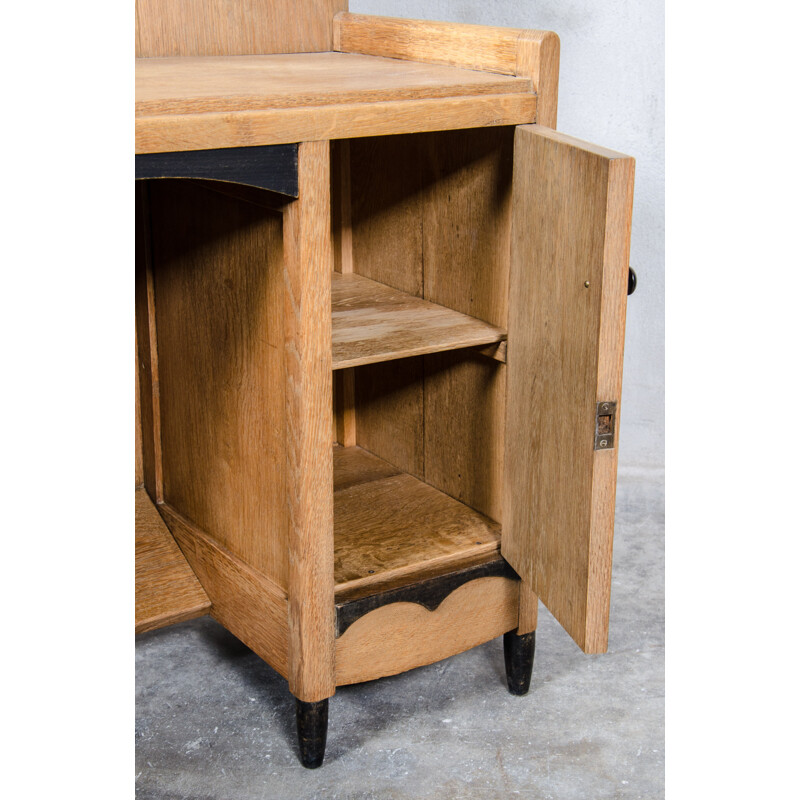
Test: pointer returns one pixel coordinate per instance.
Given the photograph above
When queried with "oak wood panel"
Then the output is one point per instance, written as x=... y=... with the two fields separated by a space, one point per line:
x=233 y=27
x=464 y=424
x=219 y=308
x=167 y=590
x=300 y=80
x=571 y=226
x=373 y=322
x=388 y=402
x=344 y=389
x=532 y=54
x=307 y=269
x=146 y=350
x=138 y=465
x=538 y=57
x=402 y=636
x=395 y=525
x=431 y=216
x=171 y=132
x=477 y=47
x=466 y=243
x=252 y=607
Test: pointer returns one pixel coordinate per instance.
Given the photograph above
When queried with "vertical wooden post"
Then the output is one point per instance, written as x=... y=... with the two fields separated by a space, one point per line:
x=147 y=352
x=538 y=56
x=345 y=413
x=309 y=460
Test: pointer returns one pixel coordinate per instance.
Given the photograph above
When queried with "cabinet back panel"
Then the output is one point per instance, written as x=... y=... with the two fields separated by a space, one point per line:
x=234 y=27
x=431 y=216
x=219 y=302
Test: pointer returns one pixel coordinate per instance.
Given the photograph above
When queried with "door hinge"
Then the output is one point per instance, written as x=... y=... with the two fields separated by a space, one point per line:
x=605 y=425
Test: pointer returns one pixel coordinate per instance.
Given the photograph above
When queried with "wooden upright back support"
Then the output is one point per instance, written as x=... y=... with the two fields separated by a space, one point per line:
x=234 y=27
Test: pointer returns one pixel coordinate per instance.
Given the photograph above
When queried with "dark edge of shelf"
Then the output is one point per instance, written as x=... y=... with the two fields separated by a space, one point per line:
x=272 y=167
x=428 y=593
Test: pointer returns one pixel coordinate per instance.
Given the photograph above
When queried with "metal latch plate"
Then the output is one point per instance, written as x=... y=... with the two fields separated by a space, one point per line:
x=605 y=425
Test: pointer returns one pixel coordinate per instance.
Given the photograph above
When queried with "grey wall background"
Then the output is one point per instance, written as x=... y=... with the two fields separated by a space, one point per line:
x=611 y=92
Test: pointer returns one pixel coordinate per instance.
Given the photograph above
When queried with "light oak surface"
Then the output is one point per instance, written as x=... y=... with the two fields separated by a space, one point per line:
x=307 y=268
x=219 y=305
x=570 y=247
x=530 y=54
x=402 y=636
x=373 y=322
x=167 y=591
x=476 y=47
x=234 y=27
x=431 y=216
x=389 y=524
x=206 y=103
x=243 y=600
x=246 y=83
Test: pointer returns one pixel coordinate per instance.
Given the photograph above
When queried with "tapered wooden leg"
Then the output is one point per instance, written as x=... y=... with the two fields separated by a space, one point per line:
x=519 y=660
x=312 y=732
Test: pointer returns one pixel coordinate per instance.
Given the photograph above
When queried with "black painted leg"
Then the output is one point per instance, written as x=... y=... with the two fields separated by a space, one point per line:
x=312 y=732
x=519 y=660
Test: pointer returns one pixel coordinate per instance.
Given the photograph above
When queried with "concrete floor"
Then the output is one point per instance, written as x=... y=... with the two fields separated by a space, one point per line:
x=214 y=722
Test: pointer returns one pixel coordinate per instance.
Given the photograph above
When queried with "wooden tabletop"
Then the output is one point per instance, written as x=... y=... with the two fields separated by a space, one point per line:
x=230 y=101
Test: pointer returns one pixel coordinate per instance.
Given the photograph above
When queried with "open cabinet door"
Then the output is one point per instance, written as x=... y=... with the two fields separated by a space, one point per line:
x=569 y=272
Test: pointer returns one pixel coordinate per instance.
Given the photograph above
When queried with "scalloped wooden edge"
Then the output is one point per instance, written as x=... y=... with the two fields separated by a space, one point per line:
x=402 y=636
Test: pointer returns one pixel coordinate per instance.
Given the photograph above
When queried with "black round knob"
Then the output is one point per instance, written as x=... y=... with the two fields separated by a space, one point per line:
x=631 y=281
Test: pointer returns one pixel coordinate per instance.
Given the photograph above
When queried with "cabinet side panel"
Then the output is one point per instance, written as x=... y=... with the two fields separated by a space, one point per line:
x=219 y=308
x=234 y=27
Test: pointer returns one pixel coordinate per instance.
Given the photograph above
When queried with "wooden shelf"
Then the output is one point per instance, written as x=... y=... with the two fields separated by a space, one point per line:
x=391 y=528
x=167 y=590
x=196 y=103
x=372 y=322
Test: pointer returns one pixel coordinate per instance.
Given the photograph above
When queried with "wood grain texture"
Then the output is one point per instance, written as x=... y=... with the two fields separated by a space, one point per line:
x=428 y=591
x=476 y=47
x=308 y=265
x=138 y=466
x=301 y=80
x=402 y=636
x=532 y=54
x=572 y=210
x=167 y=590
x=243 y=600
x=220 y=305
x=344 y=423
x=463 y=414
x=171 y=132
x=373 y=322
x=388 y=401
x=146 y=350
x=390 y=525
x=431 y=216
x=233 y=27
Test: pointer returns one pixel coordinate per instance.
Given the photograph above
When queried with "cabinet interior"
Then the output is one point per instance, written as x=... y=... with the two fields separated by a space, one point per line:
x=419 y=418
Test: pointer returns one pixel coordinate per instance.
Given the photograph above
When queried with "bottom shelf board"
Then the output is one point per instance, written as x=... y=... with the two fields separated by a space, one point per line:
x=167 y=590
x=392 y=529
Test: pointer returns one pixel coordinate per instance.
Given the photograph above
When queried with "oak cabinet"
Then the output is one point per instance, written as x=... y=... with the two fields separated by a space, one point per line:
x=380 y=322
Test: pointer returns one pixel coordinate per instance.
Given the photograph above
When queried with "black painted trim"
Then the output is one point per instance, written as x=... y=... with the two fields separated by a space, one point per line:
x=429 y=593
x=272 y=167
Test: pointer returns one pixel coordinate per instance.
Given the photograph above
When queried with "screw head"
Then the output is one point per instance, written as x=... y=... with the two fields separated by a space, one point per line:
x=603 y=443
x=586 y=284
